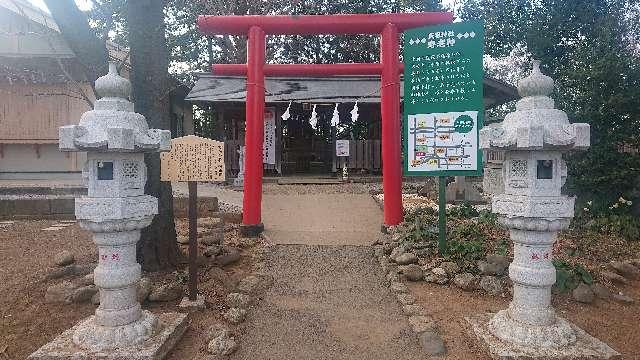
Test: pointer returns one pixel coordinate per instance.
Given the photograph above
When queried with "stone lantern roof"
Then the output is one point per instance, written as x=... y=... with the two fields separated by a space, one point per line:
x=113 y=126
x=536 y=124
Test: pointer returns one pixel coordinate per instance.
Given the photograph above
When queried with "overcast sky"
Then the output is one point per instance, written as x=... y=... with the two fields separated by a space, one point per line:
x=86 y=4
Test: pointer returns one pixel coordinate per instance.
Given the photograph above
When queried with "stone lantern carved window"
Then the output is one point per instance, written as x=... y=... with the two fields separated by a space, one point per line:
x=130 y=174
x=544 y=169
x=519 y=168
x=105 y=170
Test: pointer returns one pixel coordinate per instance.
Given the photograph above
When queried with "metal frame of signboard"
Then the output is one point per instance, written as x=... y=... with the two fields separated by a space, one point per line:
x=423 y=37
x=477 y=106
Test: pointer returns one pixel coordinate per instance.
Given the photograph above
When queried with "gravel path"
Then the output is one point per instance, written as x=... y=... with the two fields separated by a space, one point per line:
x=321 y=219
x=326 y=302
x=328 y=299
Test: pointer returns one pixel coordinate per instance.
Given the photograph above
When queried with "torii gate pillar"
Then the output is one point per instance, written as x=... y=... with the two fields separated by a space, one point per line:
x=388 y=26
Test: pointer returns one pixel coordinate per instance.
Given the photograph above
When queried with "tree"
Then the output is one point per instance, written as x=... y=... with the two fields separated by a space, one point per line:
x=150 y=91
x=151 y=87
x=588 y=47
x=90 y=52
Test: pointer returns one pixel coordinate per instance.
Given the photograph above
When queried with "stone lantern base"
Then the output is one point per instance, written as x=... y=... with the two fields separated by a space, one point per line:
x=585 y=346
x=170 y=328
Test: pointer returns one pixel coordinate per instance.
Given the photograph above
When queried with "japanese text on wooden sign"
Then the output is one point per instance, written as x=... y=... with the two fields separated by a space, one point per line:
x=193 y=158
x=269 y=144
x=443 y=104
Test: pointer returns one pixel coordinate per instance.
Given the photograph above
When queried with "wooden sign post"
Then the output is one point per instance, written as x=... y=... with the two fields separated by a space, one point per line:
x=193 y=159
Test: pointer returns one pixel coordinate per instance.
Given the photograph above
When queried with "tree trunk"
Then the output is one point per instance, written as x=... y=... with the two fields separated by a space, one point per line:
x=90 y=51
x=150 y=84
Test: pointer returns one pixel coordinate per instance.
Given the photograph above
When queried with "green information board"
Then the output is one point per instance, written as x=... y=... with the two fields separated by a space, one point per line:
x=443 y=102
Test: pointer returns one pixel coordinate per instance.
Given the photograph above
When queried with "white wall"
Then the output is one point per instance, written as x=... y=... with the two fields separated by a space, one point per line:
x=21 y=161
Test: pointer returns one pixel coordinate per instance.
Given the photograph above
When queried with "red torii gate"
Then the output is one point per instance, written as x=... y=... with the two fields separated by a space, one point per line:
x=256 y=27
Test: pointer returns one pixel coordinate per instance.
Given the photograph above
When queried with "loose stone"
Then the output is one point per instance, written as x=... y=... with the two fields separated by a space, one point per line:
x=501 y=261
x=625 y=269
x=405 y=299
x=84 y=293
x=83 y=269
x=60 y=293
x=95 y=299
x=215 y=238
x=413 y=272
x=492 y=285
x=167 y=292
x=144 y=289
x=489 y=268
x=393 y=277
x=623 y=298
x=249 y=284
x=432 y=343
x=583 y=294
x=388 y=248
x=235 y=315
x=86 y=280
x=398 y=287
x=466 y=281
x=222 y=345
x=438 y=276
x=396 y=252
x=213 y=250
x=601 y=291
x=230 y=256
x=421 y=323
x=60 y=272
x=238 y=300
x=64 y=258
x=450 y=268
x=413 y=309
x=613 y=277
x=406 y=259
x=183 y=239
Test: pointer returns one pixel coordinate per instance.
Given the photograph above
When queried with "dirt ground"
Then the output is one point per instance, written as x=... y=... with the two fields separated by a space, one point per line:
x=26 y=256
x=614 y=323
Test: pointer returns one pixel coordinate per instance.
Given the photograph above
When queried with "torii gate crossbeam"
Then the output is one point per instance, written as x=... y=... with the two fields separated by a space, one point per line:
x=256 y=27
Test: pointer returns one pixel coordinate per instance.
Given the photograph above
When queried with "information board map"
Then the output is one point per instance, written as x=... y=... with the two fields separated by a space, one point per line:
x=443 y=141
x=443 y=102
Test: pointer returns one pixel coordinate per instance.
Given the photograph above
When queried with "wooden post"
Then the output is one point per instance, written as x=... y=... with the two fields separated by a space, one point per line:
x=442 y=215
x=193 y=240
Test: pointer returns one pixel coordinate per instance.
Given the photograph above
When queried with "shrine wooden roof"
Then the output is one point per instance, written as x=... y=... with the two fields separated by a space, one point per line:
x=365 y=89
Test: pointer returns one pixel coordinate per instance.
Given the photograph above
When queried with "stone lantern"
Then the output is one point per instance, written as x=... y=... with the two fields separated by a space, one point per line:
x=115 y=210
x=534 y=139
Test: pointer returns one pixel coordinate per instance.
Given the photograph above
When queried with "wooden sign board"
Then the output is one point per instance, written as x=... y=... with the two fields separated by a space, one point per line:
x=193 y=158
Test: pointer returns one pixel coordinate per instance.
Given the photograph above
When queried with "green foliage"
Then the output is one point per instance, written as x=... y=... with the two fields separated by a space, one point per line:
x=419 y=227
x=590 y=49
x=466 y=245
x=464 y=211
x=487 y=217
x=569 y=276
x=609 y=218
x=182 y=276
x=503 y=247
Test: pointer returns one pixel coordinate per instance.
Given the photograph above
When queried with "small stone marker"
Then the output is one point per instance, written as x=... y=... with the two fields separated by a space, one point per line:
x=193 y=159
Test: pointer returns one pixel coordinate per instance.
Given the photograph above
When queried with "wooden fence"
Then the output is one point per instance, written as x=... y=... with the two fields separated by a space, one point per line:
x=363 y=155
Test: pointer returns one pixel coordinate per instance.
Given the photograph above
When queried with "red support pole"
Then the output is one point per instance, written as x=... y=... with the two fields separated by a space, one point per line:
x=254 y=135
x=390 y=109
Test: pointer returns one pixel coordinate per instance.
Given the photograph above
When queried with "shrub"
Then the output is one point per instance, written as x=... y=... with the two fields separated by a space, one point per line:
x=569 y=276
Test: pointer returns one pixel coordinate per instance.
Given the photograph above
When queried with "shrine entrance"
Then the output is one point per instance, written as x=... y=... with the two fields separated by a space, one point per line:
x=388 y=26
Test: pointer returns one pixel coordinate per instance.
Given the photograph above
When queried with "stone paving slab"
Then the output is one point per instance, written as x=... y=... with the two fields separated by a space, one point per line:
x=172 y=327
x=586 y=346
